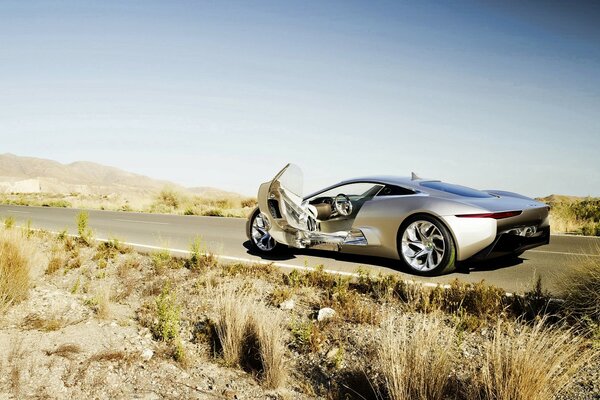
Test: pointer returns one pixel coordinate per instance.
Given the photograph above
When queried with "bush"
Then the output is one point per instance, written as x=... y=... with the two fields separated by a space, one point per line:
x=249 y=203
x=252 y=336
x=523 y=363
x=14 y=271
x=414 y=353
x=9 y=222
x=169 y=198
x=231 y=324
x=168 y=313
x=268 y=330
x=200 y=259
x=580 y=289
x=84 y=232
x=213 y=212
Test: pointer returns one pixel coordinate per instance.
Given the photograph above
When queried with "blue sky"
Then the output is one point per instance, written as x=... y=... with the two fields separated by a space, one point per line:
x=225 y=93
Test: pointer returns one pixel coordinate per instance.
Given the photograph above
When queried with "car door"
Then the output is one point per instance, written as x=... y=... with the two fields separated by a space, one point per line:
x=291 y=220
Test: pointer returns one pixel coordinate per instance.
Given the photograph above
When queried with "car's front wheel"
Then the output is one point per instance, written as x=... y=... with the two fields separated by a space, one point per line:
x=426 y=246
x=260 y=238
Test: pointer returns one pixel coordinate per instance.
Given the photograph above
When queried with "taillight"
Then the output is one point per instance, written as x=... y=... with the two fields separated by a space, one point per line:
x=497 y=215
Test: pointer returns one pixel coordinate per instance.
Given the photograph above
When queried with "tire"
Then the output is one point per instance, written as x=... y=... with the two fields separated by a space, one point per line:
x=264 y=243
x=426 y=246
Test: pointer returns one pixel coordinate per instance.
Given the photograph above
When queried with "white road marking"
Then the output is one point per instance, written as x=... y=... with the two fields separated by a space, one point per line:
x=19 y=212
x=142 y=222
x=277 y=264
x=564 y=253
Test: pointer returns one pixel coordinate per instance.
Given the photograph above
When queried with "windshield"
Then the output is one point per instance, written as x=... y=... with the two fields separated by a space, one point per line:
x=458 y=190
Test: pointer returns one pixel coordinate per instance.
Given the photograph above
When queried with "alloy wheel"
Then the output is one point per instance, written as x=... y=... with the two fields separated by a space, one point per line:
x=423 y=245
x=260 y=233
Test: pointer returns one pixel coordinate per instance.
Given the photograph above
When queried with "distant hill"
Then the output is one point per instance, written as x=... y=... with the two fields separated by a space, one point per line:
x=559 y=198
x=32 y=175
x=211 y=192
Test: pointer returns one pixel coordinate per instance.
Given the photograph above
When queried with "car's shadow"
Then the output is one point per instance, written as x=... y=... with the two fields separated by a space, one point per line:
x=465 y=267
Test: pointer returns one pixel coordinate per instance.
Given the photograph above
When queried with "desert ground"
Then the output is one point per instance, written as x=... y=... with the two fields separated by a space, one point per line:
x=81 y=318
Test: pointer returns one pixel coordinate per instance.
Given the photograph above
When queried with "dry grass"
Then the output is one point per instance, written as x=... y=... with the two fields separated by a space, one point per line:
x=580 y=288
x=44 y=324
x=111 y=356
x=15 y=259
x=267 y=328
x=530 y=363
x=233 y=311
x=252 y=336
x=101 y=302
x=15 y=361
x=415 y=357
x=67 y=350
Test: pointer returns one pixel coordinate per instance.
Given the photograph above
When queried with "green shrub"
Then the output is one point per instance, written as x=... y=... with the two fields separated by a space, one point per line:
x=84 y=232
x=166 y=327
x=9 y=222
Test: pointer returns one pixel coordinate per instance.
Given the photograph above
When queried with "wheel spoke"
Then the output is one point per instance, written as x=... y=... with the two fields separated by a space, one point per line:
x=260 y=234
x=423 y=245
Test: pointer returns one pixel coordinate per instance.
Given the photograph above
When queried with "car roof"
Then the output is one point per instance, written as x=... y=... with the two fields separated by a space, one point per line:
x=404 y=181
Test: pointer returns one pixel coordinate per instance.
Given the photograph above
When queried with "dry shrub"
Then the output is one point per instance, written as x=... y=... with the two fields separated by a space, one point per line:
x=45 y=324
x=101 y=302
x=231 y=323
x=57 y=260
x=530 y=363
x=251 y=335
x=267 y=327
x=415 y=357
x=15 y=259
x=111 y=356
x=128 y=264
x=67 y=350
x=249 y=202
x=580 y=288
x=15 y=361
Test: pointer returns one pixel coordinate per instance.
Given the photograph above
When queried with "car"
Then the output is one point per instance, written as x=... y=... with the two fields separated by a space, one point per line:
x=428 y=225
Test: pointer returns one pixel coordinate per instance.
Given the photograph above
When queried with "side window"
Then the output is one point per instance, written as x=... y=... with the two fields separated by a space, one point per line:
x=355 y=191
x=392 y=190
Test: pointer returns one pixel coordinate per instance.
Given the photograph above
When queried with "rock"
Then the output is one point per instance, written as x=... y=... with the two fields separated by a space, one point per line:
x=325 y=313
x=287 y=305
x=147 y=354
x=331 y=354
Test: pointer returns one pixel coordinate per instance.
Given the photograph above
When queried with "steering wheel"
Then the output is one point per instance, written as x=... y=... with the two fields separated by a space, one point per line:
x=342 y=204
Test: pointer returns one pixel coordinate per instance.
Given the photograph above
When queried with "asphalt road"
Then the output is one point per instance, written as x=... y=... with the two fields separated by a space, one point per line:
x=226 y=237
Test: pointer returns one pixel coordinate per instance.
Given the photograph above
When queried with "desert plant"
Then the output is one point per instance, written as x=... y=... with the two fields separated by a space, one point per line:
x=168 y=315
x=267 y=328
x=250 y=202
x=213 y=212
x=580 y=289
x=231 y=323
x=169 y=197
x=14 y=270
x=108 y=250
x=58 y=259
x=199 y=258
x=9 y=222
x=307 y=336
x=101 y=301
x=162 y=260
x=83 y=230
x=414 y=353
x=530 y=363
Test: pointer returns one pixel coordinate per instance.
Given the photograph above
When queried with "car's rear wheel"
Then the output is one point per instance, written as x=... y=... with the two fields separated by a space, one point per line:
x=260 y=238
x=426 y=246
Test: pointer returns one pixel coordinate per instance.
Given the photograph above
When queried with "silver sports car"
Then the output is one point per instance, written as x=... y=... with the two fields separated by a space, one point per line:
x=427 y=224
